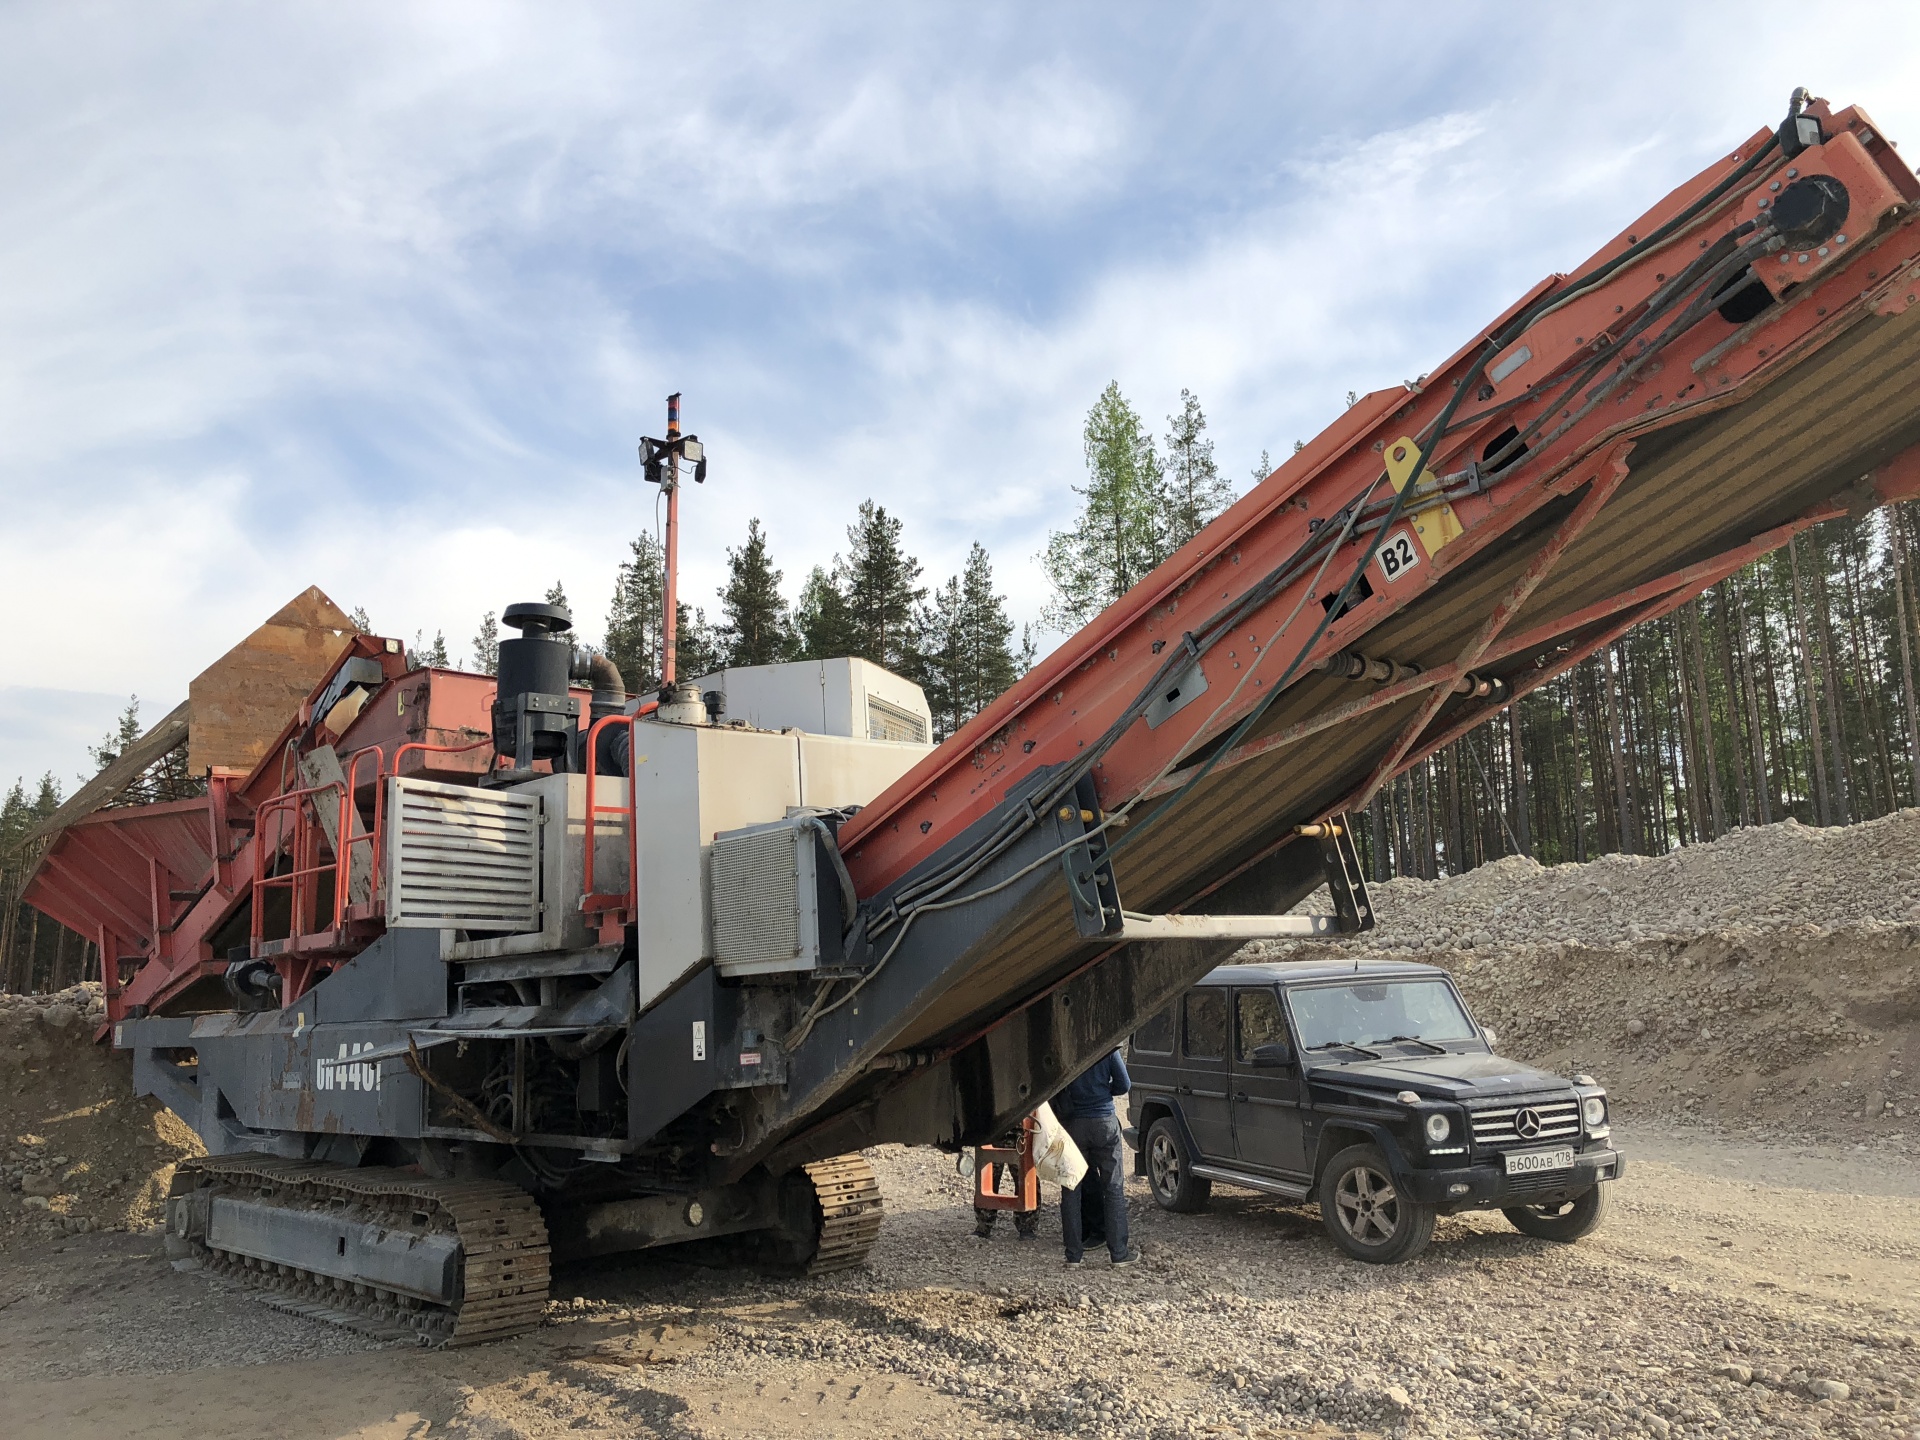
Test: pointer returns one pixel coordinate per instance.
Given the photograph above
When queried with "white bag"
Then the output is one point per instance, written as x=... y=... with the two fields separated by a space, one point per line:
x=1056 y=1159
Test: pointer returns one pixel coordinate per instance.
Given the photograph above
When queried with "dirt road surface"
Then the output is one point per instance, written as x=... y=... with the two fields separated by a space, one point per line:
x=1741 y=1288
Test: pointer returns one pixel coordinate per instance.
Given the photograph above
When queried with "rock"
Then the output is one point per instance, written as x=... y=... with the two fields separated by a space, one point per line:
x=1398 y=1399
x=1739 y=1374
x=1829 y=1390
x=60 y=1015
x=35 y=1202
x=40 y=1184
x=1635 y=1027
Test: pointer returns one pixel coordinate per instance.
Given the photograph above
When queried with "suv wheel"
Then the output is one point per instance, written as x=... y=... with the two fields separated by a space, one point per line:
x=1170 y=1171
x=1365 y=1212
x=1565 y=1221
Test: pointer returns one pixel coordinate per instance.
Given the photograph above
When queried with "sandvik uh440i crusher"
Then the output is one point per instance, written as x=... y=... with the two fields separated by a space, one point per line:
x=468 y=971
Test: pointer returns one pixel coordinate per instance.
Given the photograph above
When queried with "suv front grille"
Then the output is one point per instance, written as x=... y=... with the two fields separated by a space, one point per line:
x=1501 y=1127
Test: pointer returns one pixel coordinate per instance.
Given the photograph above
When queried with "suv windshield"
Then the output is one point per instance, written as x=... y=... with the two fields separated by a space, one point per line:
x=1376 y=1013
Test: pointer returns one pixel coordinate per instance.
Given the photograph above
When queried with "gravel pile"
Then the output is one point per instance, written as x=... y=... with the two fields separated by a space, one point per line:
x=1772 y=875
x=77 y=1151
x=1768 y=979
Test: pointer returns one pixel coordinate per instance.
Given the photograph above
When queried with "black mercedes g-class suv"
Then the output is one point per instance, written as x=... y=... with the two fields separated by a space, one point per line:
x=1364 y=1085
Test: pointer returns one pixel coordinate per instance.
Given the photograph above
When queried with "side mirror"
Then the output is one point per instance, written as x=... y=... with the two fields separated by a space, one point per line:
x=1269 y=1056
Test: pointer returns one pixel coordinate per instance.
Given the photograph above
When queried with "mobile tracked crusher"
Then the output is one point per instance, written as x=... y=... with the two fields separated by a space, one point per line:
x=458 y=973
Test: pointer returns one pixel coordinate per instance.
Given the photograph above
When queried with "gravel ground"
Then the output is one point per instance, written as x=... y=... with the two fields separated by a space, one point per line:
x=1715 y=1303
x=1752 y=1005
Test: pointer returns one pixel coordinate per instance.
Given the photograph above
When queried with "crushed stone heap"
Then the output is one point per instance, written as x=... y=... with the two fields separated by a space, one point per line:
x=78 y=1151
x=1763 y=876
x=1771 y=978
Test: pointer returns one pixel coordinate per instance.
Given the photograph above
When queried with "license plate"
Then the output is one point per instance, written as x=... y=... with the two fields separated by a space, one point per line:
x=1532 y=1161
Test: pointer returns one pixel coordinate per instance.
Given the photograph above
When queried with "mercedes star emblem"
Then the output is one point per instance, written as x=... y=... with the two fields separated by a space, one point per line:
x=1527 y=1123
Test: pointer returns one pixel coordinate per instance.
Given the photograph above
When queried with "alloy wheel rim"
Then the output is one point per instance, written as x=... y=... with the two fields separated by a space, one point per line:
x=1165 y=1163
x=1368 y=1205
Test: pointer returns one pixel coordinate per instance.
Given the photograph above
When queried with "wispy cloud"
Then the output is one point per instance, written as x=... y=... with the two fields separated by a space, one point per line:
x=380 y=299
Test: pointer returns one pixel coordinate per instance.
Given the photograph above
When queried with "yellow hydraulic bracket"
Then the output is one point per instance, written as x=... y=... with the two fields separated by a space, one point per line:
x=1437 y=526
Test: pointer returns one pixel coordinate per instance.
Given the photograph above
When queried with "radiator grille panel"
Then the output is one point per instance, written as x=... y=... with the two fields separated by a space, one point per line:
x=462 y=859
x=756 y=897
x=1542 y=1121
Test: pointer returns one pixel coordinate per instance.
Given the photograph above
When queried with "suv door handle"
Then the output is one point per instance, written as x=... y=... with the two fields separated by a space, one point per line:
x=1239 y=1094
x=1183 y=1090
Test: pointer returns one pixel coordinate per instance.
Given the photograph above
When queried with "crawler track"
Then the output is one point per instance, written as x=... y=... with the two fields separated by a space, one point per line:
x=503 y=1243
x=850 y=1212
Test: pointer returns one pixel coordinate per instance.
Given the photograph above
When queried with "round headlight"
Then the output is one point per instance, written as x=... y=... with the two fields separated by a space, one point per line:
x=1438 y=1128
x=1595 y=1110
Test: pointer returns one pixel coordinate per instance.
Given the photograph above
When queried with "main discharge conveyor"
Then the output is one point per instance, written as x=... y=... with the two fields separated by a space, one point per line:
x=466 y=968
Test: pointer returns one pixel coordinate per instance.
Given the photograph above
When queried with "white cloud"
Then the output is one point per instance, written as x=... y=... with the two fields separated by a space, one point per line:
x=380 y=300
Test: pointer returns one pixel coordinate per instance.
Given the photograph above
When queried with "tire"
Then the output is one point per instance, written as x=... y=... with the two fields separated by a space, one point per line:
x=1365 y=1213
x=1170 y=1171
x=1565 y=1222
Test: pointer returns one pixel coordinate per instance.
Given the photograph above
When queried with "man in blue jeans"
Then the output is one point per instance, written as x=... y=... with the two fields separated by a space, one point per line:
x=1086 y=1108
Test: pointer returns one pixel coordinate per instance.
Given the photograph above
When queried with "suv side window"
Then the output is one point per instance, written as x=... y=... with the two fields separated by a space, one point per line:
x=1205 y=1035
x=1257 y=1022
x=1156 y=1036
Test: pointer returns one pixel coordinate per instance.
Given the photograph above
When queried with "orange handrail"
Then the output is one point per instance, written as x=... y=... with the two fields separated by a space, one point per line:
x=400 y=754
x=593 y=901
x=375 y=834
x=303 y=851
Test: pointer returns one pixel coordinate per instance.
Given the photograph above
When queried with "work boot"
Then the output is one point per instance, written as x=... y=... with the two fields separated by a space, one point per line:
x=1027 y=1225
x=983 y=1224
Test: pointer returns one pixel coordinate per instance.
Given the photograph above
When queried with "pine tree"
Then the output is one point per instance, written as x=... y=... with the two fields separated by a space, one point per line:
x=1029 y=651
x=633 y=619
x=965 y=662
x=755 y=628
x=1192 y=490
x=699 y=647
x=1263 y=469
x=1115 y=540
x=115 y=742
x=942 y=650
x=486 y=645
x=821 y=623
x=877 y=578
x=424 y=656
x=360 y=621
x=987 y=665
x=557 y=595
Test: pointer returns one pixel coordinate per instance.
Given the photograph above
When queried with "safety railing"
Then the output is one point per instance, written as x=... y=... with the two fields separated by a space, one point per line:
x=290 y=823
x=281 y=825
x=611 y=906
x=421 y=745
x=373 y=837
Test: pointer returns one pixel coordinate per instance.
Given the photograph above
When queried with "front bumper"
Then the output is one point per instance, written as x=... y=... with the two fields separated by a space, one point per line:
x=1488 y=1186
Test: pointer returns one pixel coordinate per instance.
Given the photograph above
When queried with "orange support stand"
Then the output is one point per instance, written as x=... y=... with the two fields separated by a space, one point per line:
x=1026 y=1188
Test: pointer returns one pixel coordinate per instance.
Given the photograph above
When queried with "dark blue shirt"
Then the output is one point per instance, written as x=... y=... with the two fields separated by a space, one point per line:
x=1091 y=1096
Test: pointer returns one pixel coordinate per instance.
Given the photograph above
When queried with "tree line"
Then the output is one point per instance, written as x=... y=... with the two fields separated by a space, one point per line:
x=1787 y=690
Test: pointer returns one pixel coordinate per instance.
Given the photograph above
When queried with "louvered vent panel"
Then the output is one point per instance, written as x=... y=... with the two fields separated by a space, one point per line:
x=890 y=722
x=756 y=898
x=462 y=859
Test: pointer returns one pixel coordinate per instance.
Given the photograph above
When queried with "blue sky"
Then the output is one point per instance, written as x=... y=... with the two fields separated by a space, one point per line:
x=379 y=297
